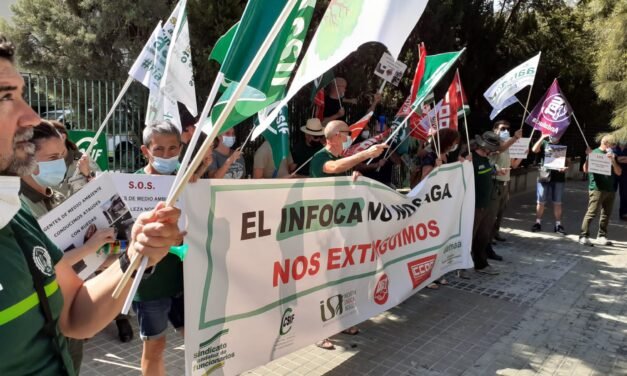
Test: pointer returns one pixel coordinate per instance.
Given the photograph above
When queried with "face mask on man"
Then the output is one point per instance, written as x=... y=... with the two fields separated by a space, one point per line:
x=347 y=144
x=553 y=140
x=365 y=134
x=453 y=148
x=165 y=166
x=51 y=173
x=9 y=198
x=228 y=141
x=504 y=135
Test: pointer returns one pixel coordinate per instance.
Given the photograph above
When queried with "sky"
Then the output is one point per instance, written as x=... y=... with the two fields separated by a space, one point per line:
x=5 y=12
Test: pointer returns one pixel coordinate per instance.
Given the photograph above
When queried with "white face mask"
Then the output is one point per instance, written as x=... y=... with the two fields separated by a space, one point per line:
x=228 y=141
x=9 y=198
x=504 y=135
x=347 y=144
x=51 y=173
x=365 y=134
x=453 y=148
x=165 y=166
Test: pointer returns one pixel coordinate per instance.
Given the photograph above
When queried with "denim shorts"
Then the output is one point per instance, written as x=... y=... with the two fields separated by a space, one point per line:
x=153 y=316
x=554 y=191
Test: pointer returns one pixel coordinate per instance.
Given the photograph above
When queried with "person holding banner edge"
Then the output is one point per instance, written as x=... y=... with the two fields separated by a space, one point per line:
x=62 y=304
x=601 y=193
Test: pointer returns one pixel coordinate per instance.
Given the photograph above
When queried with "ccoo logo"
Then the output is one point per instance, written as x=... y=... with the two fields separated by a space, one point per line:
x=420 y=270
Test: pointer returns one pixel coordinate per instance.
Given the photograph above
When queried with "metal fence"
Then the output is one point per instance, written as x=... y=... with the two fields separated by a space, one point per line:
x=83 y=105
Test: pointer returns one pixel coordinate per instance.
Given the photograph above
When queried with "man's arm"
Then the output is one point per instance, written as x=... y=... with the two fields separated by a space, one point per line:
x=89 y=306
x=340 y=113
x=616 y=167
x=507 y=144
x=345 y=164
x=538 y=145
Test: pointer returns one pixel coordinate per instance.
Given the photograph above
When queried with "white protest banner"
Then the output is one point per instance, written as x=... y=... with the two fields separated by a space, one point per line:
x=275 y=265
x=96 y=206
x=142 y=192
x=554 y=157
x=520 y=148
x=599 y=164
x=390 y=69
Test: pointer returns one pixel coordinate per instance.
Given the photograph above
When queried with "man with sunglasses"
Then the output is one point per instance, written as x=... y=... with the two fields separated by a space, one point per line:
x=329 y=162
x=312 y=141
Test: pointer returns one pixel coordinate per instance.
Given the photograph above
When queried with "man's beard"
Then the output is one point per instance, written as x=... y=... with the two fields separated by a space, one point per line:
x=23 y=160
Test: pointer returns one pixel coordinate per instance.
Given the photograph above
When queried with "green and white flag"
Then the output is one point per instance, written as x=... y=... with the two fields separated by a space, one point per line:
x=436 y=67
x=277 y=134
x=221 y=48
x=269 y=82
x=499 y=95
x=166 y=69
x=345 y=26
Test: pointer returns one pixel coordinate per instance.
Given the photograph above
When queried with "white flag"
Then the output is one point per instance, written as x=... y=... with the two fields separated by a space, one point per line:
x=514 y=81
x=497 y=110
x=343 y=29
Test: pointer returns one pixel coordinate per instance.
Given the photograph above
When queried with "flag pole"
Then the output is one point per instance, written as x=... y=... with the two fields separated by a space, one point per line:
x=522 y=123
x=459 y=81
x=381 y=87
x=338 y=93
x=123 y=91
x=250 y=71
x=203 y=115
x=247 y=139
x=301 y=166
x=580 y=130
x=437 y=126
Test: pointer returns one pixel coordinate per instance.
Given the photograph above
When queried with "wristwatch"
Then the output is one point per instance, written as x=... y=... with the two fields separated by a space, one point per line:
x=125 y=262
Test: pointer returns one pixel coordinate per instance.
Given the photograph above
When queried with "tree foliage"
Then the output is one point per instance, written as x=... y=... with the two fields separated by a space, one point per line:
x=608 y=24
x=99 y=39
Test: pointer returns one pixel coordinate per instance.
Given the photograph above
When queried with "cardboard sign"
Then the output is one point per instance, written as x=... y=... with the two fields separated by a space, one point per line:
x=599 y=164
x=520 y=149
x=390 y=69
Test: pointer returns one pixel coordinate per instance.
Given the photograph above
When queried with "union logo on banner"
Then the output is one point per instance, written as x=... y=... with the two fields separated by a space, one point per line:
x=420 y=270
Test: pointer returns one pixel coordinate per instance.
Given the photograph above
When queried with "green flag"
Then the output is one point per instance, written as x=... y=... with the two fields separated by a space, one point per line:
x=277 y=135
x=269 y=82
x=221 y=48
x=436 y=67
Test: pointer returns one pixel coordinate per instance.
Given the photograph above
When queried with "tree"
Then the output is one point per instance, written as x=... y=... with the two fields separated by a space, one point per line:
x=608 y=24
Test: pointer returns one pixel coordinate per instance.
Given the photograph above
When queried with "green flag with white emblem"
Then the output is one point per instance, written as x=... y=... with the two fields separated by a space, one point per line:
x=269 y=82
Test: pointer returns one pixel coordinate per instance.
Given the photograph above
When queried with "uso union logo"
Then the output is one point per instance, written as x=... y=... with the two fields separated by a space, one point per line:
x=381 y=292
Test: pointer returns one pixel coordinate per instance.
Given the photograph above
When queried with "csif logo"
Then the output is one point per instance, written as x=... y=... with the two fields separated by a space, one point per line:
x=286 y=321
x=420 y=270
x=332 y=307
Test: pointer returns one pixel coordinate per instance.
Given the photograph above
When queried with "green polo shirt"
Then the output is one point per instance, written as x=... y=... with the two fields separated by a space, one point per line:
x=25 y=349
x=483 y=180
x=599 y=182
x=167 y=279
x=317 y=163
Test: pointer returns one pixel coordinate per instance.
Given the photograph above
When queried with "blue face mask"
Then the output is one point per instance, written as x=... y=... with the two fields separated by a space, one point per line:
x=51 y=173
x=504 y=135
x=165 y=166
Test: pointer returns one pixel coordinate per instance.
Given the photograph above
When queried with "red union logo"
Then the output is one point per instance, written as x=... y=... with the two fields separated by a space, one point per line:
x=420 y=270
x=381 y=290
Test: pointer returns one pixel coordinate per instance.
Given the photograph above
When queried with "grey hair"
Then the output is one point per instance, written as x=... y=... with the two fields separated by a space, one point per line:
x=161 y=127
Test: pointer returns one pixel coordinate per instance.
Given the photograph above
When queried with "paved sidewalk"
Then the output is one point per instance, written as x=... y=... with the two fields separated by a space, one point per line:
x=557 y=308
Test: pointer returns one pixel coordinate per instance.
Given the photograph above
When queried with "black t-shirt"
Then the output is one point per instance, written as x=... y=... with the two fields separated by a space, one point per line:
x=301 y=154
x=331 y=107
x=384 y=175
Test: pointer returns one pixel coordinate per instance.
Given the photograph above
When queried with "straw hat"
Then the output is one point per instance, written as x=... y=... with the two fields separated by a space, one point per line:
x=313 y=127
